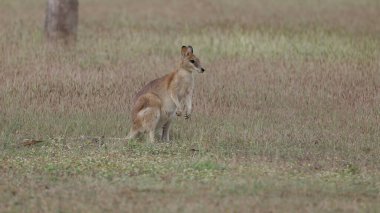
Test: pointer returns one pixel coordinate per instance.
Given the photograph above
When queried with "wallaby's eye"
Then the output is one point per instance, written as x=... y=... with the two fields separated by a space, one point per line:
x=192 y=61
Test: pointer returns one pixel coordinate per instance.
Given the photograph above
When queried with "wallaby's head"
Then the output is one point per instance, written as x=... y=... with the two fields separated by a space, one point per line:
x=189 y=61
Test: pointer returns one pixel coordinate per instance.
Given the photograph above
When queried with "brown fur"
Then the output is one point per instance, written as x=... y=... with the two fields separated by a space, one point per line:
x=155 y=104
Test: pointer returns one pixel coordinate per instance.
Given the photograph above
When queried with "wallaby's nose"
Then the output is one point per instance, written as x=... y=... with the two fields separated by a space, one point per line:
x=202 y=69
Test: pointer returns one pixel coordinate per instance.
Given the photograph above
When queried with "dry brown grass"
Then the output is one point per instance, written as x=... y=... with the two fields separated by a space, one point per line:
x=286 y=117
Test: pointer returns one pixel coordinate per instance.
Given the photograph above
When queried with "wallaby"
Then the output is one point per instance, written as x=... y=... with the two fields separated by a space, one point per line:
x=155 y=104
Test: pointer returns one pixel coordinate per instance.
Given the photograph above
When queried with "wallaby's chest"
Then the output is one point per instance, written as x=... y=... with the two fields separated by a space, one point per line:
x=185 y=86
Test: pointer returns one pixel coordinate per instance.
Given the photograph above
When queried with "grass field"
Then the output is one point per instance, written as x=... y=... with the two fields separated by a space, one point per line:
x=286 y=117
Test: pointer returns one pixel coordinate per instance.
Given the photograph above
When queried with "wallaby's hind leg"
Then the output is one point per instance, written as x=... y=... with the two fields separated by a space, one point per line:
x=145 y=121
x=165 y=132
x=146 y=115
x=152 y=136
x=151 y=118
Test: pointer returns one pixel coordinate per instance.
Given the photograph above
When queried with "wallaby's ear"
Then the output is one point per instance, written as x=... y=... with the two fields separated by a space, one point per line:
x=190 y=48
x=183 y=51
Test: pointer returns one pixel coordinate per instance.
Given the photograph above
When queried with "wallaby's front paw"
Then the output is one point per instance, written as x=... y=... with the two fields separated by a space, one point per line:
x=187 y=116
x=178 y=113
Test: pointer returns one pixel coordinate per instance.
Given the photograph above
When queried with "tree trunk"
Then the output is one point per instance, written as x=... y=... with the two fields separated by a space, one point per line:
x=61 y=21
